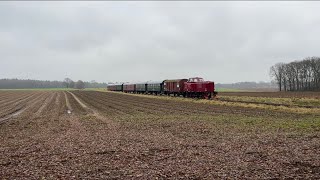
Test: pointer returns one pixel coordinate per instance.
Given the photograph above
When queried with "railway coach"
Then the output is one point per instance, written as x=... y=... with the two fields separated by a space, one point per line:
x=141 y=87
x=115 y=87
x=155 y=87
x=129 y=88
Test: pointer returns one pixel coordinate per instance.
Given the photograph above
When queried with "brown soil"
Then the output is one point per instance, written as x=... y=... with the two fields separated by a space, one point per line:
x=118 y=136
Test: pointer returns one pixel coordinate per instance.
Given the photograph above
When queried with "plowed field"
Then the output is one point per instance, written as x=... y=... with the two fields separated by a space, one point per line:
x=104 y=135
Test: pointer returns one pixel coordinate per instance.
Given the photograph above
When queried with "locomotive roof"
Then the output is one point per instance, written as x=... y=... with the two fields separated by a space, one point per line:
x=175 y=80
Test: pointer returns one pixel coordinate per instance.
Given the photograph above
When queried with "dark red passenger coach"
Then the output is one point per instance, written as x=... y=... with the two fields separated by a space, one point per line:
x=129 y=88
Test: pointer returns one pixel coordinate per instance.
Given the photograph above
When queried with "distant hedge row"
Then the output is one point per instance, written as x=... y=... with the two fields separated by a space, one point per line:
x=30 y=84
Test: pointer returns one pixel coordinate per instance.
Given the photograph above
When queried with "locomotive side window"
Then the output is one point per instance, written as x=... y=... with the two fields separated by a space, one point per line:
x=196 y=80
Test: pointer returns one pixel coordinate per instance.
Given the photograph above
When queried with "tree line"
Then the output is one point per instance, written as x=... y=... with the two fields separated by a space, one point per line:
x=32 y=84
x=300 y=75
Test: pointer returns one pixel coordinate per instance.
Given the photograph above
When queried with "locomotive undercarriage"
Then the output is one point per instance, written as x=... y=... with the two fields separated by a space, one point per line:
x=199 y=95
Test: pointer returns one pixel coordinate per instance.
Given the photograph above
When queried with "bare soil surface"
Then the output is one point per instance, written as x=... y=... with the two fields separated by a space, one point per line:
x=119 y=136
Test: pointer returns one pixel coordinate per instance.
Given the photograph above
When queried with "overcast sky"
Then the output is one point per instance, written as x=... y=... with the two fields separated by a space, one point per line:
x=138 y=41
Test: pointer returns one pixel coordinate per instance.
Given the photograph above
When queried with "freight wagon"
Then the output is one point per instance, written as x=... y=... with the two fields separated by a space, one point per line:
x=174 y=86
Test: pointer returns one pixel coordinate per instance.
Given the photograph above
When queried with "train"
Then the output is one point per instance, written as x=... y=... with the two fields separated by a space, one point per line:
x=194 y=87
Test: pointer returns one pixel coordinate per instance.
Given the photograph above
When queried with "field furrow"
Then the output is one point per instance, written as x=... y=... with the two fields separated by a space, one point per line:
x=130 y=107
x=16 y=99
x=74 y=104
x=16 y=105
x=45 y=103
x=183 y=108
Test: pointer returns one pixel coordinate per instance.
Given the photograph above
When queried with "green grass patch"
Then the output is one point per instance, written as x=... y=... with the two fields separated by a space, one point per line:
x=96 y=89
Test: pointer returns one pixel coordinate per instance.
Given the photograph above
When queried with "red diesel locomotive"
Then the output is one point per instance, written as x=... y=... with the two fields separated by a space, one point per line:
x=197 y=87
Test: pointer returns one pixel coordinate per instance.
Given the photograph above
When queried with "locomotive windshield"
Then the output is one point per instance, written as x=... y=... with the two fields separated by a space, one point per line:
x=196 y=80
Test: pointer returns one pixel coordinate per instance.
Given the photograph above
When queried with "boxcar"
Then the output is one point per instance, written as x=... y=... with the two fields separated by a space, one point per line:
x=129 y=88
x=155 y=87
x=174 y=86
x=141 y=87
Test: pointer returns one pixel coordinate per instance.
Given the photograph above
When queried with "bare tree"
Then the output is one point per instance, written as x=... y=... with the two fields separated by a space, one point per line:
x=301 y=75
x=277 y=72
x=79 y=85
x=72 y=84
x=68 y=83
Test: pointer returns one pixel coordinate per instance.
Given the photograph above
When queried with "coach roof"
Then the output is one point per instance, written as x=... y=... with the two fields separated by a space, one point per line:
x=154 y=82
x=116 y=84
x=175 y=80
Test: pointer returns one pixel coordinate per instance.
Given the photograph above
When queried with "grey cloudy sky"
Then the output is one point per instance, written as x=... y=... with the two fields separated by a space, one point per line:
x=137 y=41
